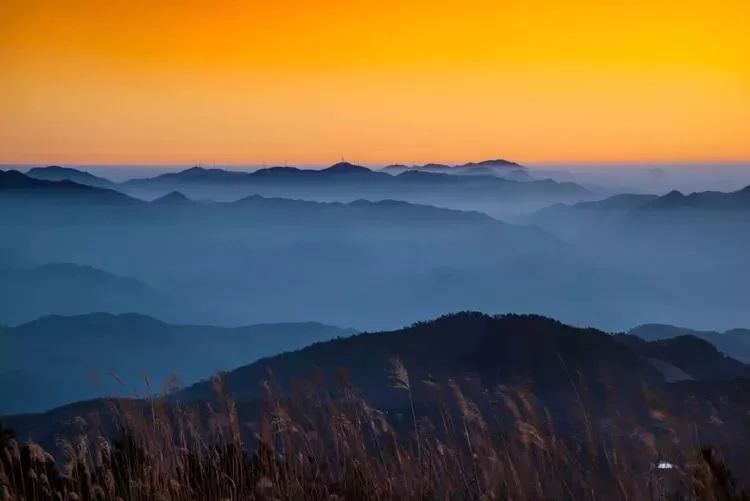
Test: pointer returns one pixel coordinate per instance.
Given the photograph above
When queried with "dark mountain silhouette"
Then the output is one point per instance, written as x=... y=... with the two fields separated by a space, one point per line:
x=280 y=171
x=734 y=342
x=706 y=200
x=14 y=185
x=696 y=357
x=536 y=352
x=197 y=174
x=674 y=200
x=497 y=167
x=12 y=180
x=15 y=180
x=68 y=358
x=395 y=168
x=498 y=162
x=57 y=173
x=203 y=175
x=566 y=369
x=345 y=182
x=346 y=168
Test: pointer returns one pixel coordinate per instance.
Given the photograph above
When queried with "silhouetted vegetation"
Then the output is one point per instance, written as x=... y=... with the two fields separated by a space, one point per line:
x=329 y=443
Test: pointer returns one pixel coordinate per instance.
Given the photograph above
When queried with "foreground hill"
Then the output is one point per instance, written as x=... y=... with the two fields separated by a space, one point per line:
x=536 y=352
x=62 y=359
x=521 y=372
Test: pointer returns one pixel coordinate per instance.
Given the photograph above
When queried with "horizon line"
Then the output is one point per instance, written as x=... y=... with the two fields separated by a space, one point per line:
x=218 y=165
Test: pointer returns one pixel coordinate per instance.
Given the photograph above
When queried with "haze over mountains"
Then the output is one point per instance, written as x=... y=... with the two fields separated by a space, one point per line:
x=29 y=292
x=260 y=259
x=78 y=249
x=127 y=348
x=614 y=263
x=498 y=168
x=109 y=288
x=501 y=188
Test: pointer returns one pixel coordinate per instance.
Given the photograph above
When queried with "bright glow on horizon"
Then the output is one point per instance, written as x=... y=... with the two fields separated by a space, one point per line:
x=305 y=82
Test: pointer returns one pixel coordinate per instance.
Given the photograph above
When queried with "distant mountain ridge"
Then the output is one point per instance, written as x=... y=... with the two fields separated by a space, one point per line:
x=706 y=200
x=66 y=288
x=58 y=173
x=492 y=186
x=16 y=184
x=696 y=357
x=733 y=342
x=497 y=168
x=214 y=175
x=480 y=189
x=674 y=200
x=261 y=259
x=172 y=198
x=129 y=346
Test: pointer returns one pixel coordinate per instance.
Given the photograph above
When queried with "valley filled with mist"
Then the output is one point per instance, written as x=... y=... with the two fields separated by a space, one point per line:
x=116 y=291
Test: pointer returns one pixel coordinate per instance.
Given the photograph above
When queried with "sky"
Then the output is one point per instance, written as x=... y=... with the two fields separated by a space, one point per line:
x=311 y=81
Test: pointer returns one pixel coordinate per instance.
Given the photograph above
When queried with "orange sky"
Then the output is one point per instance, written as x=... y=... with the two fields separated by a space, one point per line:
x=306 y=81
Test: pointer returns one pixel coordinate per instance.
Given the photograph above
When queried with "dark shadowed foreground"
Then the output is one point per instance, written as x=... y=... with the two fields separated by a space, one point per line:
x=464 y=407
x=321 y=444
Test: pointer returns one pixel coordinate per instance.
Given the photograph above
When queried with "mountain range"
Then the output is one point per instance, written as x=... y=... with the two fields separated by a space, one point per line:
x=528 y=350
x=346 y=182
x=14 y=184
x=262 y=259
x=673 y=201
x=60 y=359
x=498 y=167
x=637 y=390
x=57 y=173
x=733 y=342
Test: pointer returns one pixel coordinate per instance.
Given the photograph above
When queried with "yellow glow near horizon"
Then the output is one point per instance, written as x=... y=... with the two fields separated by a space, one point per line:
x=306 y=81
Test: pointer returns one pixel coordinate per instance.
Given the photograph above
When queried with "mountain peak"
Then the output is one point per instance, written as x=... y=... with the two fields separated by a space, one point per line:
x=171 y=198
x=58 y=173
x=13 y=179
x=52 y=168
x=346 y=167
x=497 y=162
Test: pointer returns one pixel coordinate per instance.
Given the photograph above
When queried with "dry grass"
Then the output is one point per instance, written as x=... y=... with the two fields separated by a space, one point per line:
x=320 y=444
